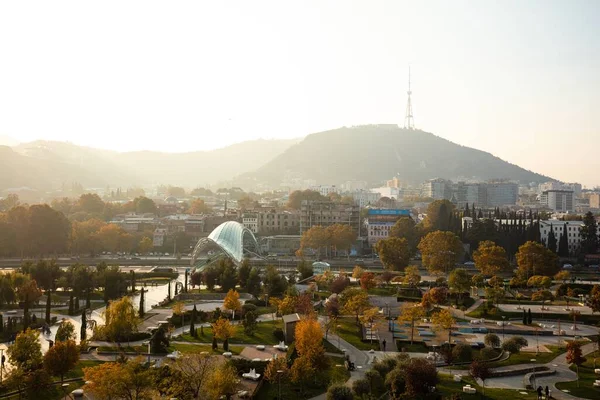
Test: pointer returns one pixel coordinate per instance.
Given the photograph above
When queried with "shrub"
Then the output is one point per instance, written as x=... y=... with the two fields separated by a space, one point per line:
x=492 y=340
x=361 y=387
x=278 y=333
x=339 y=392
x=462 y=352
x=487 y=353
x=249 y=308
x=514 y=344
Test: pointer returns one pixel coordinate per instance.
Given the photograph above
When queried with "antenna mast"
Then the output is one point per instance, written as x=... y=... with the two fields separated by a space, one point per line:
x=409 y=121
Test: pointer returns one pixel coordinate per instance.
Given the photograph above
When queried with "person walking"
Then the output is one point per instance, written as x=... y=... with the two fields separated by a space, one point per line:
x=547 y=392
x=384 y=344
x=539 y=392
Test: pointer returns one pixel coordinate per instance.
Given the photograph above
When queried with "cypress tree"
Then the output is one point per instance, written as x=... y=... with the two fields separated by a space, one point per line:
x=48 y=305
x=176 y=288
x=71 y=303
x=88 y=298
x=552 y=240
x=467 y=213
x=524 y=318
x=192 y=321
x=169 y=291
x=185 y=286
x=83 y=331
x=563 y=243
x=26 y=313
x=141 y=310
x=529 y=318
x=132 y=273
x=473 y=214
x=1 y=323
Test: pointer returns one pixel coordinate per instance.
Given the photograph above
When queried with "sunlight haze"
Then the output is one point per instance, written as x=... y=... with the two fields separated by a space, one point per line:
x=517 y=79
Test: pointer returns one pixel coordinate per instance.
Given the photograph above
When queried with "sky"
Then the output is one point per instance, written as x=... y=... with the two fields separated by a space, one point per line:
x=519 y=79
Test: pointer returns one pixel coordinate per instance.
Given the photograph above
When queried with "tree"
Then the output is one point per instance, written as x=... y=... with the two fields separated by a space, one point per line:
x=66 y=331
x=159 y=341
x=198 y=206
x=228 y=278
x=250 y=323
x=420 y=376
x=244 y=272
x=534 y=259
x=490 y=258
x=274 y=365
x=223 y=330
x=297 y=197
x=543 y=296
x=302 y=371
x=254 y=282
x=514 y=344
x=341 y=237
x=563 y=243
x=83 y=329
x=438 y=213
x=357 y=271
x=113 y=380
x=305 y=269
x=26 y=352
x=90 y=203
x=141 y=308
x=223 y=381
x=492 y=340
x=145 y=245
x=120 y=320
x=340 y=283
x=480 y=370
x=394 y=253
x=61 y=358
x=440 y=251
x=232 y=301
x=552 y=242
x=411 y=312
x=459 y=281
x=438 y=295
x=411 y=276
x=594 y=299
x=575 y=356
x=367 y=281
x=443 y=320
x=309 y=340
x=194 y=373
x=589 y=234
x=405 y=228
x=462 y=352
x=315 y=238
x=339 y=391
x=354 y=301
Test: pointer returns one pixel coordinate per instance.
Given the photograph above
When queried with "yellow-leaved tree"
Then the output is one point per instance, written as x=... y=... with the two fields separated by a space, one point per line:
x=411 y=312
x=440 y=251
x=443 y=320
x=490 y=258
x=232 y=301
x=222 y=329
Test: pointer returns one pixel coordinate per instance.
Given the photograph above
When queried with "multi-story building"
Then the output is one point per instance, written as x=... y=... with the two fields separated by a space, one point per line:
x=394 y=182
x=558 y=200
x=250 y=220
x=437 y=189
x=363 y=198
x=271 y=221
x=326 y=213
x=558 y=226
x=325 y=190
x=280 y=244
x=501 y=194
x=380 y=221
x=352 y=186
x=594 y=200
x=135 y=223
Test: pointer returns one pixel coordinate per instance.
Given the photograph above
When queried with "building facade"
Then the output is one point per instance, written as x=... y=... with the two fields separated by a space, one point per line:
x=501 y=194
x=558 y=226
x=380 y=221
x=558 y=200
x=327 y=213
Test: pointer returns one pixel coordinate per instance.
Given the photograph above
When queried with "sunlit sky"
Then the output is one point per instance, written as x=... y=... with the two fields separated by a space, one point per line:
x=520 y=79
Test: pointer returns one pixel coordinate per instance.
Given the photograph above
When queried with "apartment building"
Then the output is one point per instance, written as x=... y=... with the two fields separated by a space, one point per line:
x=326 y=213
x=380 y=221
x=558 y=200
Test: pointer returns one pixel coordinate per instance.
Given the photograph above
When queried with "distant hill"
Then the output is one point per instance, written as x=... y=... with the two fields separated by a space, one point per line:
x=374 y=153
x=47 y=165
x=8 y=141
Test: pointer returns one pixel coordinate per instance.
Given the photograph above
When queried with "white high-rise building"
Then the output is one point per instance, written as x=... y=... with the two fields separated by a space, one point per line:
x=558 y=200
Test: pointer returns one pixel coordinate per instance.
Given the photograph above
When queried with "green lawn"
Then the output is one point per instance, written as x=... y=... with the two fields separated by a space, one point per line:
x=416 y=347
x=348 y=330
x=263 y=334
x=126 y=349
x=266 y=310
x=330 y=348
x=197 y=348
x=323 y=379
x=525 y=358
x=78 y=370
x=446 y=386
x=586 y=379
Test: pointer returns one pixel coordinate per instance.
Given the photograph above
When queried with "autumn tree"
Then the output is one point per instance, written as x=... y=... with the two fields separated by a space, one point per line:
x=367 y=280
x=490 y=258
x=65 y=331
x=594 y=299
x=480 y=370
x=440 y=251
x=198 y=206
x=315 y=238
x=411 y=276
x=26 y=352
x=411 y=312
x=194 y=370
x=296 y=198
x=543 y=296
x=405 y=228
x=575 y=356
x=420 y=376
x=112 y=380
x=341 y=237
x=277 y=364
x=223 y=381
x=61 y=358
x=120 y=320
x=309 y=340
x=338 y=284
x=223 y=330
x=535 y=259
x=145 y=245
x=232 y=301
x=302 y=371
x=394 y=253
x=443 y=320
x=459 y=281
x=357 y=271
x=354 y=301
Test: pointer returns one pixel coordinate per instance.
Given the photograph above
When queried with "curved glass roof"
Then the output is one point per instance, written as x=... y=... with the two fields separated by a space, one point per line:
x=229 y=237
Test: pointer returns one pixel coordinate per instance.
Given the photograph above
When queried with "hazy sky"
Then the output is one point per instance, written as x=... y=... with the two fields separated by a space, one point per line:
x=520 y=79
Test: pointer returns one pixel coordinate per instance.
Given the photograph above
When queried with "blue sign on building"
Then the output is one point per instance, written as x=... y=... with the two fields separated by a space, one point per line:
x=389 y=212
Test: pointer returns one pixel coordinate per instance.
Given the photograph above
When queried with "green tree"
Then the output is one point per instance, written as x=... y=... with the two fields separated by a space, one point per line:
x=26 y=352
x=405 y=228
x=438 y=215
x=66 y=331
x=514 y=344
x=552 y=242
x=563 y=243
x=120 y=320
x=394 y=253
x=339 y=391
x=250 y=323
x=296 y=197
x=440 y=251
x=244 y=272
x=83 y=329
x=459 y=281
x=589 y=234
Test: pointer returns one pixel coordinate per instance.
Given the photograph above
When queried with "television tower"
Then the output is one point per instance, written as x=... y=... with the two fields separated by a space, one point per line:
x=409 y=121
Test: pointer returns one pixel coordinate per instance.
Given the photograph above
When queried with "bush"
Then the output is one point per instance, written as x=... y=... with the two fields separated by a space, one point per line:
x=487 y=353
x=492 y=340
x=256 y=302
x=339 y=392
x=462 y=353
x=514 y=344
x=248 y=308
x=361 y=387
x=278 y=333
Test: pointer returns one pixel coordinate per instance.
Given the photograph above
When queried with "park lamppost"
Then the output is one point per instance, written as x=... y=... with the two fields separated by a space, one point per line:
x=279 y=373
x=503 y=323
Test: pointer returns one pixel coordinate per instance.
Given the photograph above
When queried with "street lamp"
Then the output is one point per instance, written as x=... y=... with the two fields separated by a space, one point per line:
x=503 y=323
x=279 y=373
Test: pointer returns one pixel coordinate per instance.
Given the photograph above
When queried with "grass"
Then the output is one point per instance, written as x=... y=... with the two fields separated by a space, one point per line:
x=348 y=330
x=78 y=370
x=415 y=347
x=446 y=386
x=323 y=379
x=266 y=310
x=198 y=348
x=525 y=358
x=586 y=379
x=126 y=349
x=330 y=348
x=263 y=334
